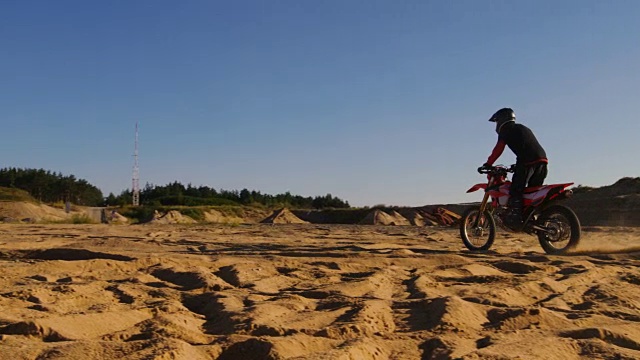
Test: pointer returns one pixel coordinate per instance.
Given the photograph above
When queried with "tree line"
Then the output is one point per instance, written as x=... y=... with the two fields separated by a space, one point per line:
x=176 y=193
x=51 y=187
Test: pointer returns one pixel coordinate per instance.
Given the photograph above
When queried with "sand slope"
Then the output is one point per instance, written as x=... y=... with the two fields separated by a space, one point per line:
x=16 y=211
x=163 y=291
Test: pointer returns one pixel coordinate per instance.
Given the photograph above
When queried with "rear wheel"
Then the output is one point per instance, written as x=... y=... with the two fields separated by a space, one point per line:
x=478 y=231
x=562 y=229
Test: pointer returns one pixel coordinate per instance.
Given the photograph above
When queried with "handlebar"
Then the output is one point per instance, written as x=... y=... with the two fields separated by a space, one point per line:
x=496 y=170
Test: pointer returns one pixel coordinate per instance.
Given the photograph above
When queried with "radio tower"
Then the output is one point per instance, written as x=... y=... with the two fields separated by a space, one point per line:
x=136 y=173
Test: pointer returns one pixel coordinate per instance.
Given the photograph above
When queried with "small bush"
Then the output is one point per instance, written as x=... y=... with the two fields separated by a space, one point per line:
x=74 y=219
x=194 y=213
x=236 y=211
x=81 y=219
x=13 y=194
x=139 y=214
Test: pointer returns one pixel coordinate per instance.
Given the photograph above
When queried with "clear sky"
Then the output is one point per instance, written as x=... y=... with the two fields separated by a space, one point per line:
x=376 y=102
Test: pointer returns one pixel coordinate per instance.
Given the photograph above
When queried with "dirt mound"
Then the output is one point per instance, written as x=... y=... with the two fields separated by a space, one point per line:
x=612 y=205
x=399 y=219
x=283 y=216
x=215 y=216
x=624 y=186
x=11 y=211
x=419 y=217
x=414 y=217
x=251 y=215
x=235 y=215
x=171 y=217
x=379 y=217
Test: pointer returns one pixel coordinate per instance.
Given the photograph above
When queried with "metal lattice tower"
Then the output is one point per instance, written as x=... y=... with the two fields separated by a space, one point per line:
x=136 y=173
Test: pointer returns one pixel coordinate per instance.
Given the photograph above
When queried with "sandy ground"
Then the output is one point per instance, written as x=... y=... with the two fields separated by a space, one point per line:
x=312 y=292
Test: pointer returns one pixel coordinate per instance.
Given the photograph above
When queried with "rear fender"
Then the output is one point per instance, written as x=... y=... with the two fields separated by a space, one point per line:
x=477 y=187
x=557 y=193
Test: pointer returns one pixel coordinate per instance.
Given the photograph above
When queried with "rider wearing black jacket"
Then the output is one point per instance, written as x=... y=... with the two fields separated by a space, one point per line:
x=531 y=159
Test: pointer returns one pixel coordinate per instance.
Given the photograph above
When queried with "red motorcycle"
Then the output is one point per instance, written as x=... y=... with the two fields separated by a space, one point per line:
x=557 y=226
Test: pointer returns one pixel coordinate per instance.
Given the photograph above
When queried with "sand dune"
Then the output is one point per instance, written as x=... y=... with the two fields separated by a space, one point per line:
x=302 y=291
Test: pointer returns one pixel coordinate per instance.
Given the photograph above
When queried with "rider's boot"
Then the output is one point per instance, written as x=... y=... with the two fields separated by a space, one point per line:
x=513 y=219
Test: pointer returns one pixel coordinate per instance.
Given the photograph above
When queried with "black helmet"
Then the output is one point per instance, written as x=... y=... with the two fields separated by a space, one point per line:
x=502 y=117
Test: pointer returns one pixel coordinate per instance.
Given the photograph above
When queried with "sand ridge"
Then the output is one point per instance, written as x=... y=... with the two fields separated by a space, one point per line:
x=304 y=291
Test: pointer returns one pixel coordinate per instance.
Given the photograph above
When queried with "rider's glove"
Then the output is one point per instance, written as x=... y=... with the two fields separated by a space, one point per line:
x=484 y=167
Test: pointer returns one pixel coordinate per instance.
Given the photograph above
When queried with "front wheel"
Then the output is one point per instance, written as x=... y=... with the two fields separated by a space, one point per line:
x=562 y=229
x=478 y=231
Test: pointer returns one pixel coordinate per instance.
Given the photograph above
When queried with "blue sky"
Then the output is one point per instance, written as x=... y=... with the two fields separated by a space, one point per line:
x=376 y=102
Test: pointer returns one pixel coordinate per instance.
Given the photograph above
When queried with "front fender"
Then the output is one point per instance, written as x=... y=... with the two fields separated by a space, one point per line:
x=477 y=187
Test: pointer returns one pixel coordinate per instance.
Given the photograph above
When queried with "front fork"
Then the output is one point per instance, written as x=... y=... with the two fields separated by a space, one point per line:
x=483 y=204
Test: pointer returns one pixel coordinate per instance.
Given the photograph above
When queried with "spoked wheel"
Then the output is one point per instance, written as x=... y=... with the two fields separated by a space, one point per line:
x=562 y=230
x=478 y=231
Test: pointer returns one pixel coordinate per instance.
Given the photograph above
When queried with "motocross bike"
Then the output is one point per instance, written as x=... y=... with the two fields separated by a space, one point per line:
x=557 y=226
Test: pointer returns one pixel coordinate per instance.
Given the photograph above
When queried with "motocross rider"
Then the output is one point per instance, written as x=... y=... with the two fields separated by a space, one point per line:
x=531 y=160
